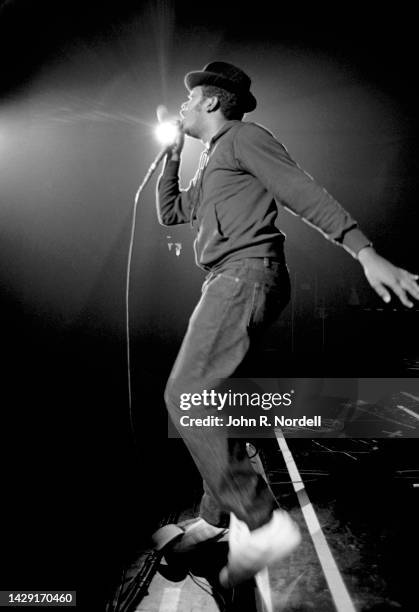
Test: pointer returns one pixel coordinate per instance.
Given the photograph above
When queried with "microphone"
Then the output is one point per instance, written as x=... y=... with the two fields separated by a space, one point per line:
x=168 y=129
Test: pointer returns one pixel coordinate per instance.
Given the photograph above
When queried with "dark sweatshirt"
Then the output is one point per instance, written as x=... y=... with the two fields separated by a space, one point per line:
x=233 y=198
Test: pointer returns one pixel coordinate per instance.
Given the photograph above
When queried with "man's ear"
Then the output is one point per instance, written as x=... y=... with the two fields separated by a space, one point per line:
x=212 y=104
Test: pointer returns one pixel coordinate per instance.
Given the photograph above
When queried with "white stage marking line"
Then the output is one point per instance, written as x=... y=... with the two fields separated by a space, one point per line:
x=264 y=587
x=411 y=412
x=337 y=587
x=170 y=600
x=262 y=578
x=414 y=397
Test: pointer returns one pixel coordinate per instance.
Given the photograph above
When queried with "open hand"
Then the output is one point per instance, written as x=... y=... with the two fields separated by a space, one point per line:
x=382 y=275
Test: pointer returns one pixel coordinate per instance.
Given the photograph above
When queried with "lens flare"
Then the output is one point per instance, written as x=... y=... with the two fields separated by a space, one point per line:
x=166 y=132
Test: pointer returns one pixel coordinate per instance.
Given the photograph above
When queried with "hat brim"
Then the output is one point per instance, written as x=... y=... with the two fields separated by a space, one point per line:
x=195 y=79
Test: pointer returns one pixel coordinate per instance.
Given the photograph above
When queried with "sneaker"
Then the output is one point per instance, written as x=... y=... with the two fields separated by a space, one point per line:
x=185 y=537
x=251 y=551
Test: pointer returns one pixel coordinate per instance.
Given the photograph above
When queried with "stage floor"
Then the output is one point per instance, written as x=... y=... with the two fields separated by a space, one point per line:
x=356 y=501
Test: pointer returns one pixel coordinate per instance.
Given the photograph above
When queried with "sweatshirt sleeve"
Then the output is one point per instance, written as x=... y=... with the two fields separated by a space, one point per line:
x=257 y=151
x=174 y=205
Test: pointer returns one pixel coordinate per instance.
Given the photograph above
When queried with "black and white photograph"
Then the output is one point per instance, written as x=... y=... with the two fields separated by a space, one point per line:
x=209 y=286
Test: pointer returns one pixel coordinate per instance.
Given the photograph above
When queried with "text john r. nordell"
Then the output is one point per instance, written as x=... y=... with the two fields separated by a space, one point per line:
x=278 y=421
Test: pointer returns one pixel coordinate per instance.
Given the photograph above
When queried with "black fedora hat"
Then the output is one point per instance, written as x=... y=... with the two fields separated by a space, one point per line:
x=226 y=76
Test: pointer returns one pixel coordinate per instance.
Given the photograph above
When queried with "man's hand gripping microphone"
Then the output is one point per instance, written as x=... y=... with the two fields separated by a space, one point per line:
x=171 y=133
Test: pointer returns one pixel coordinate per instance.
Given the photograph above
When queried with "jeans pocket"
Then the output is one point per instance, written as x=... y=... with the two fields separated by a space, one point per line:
x=224 y=286
x=231 y=276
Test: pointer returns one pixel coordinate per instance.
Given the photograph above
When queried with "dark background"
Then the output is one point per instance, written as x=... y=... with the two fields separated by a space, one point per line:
x=79 y=85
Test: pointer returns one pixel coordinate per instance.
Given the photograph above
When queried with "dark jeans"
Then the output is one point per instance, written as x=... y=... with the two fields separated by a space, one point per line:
x=239 y=301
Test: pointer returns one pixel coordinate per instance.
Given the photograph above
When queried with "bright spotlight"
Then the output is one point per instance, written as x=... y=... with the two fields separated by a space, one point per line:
x=166 y=132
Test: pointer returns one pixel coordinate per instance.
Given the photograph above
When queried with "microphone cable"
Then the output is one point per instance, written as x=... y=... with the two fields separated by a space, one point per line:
x=146 y=179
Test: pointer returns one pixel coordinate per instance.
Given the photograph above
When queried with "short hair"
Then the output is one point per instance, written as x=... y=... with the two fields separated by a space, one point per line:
x=228 y=101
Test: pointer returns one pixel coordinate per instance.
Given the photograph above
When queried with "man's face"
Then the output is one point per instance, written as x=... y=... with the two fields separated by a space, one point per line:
x=192 y=113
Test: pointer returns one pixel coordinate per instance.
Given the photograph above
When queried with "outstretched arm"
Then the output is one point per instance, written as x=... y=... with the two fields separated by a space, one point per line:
x=262 y=155
x=382 y=275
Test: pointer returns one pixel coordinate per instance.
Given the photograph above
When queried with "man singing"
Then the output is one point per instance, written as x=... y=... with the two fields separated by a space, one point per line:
x=243 y=174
